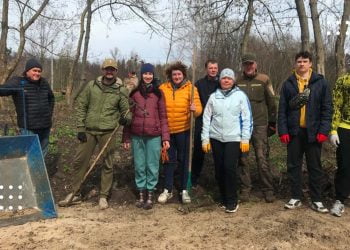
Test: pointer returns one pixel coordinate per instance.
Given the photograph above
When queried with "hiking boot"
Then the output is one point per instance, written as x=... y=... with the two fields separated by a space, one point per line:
x=165 y=196
x=318 y=207
x=66 y=202
x=103 y=204
x=244 y=196
x=269 y=197
x=140 y=202
x=149 y=203
x=185 y=197
x=232 y=208
x=292 y=204
x=338 y=208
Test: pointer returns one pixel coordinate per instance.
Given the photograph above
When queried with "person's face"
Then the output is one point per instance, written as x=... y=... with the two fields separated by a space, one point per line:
x=249 y=68
x=109 y=73
x=302 y=65
x=147 y=77
x=34 y=74
x=226 y=83
x=212 y=69
x=177 y=76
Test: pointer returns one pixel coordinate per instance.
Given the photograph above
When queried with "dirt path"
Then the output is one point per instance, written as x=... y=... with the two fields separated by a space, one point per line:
x=255 y=226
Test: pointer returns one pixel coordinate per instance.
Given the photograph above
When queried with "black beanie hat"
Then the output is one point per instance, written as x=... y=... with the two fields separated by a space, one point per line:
x=147 y=67
x=32 y=63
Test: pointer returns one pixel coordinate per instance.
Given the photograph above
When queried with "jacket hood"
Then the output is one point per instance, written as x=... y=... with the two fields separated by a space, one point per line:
x=117 y=84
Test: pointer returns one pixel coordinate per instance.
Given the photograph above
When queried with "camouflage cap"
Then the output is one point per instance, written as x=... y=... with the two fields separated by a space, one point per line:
x=248 y=58
x=109 y=63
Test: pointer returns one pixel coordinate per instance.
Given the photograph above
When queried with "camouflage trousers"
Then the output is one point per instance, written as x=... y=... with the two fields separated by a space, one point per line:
x=261 y=147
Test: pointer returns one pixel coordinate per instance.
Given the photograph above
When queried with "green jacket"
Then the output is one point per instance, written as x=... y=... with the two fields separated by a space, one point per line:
x=99 y=106
x=341 y=104
x=261 y=96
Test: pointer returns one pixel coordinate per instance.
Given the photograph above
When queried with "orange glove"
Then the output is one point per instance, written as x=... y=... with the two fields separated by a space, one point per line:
x=244 y=146
x=206 y=147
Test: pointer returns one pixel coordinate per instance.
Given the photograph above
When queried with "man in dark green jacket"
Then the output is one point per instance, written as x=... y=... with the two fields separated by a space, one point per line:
x=259 y=90
x=101 y=105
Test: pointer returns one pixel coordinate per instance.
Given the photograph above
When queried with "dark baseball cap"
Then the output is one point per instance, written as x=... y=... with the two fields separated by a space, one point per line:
x=249 y=57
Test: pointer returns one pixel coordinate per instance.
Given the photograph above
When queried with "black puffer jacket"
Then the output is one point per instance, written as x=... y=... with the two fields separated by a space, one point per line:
x=318 y=109
x=39 y=101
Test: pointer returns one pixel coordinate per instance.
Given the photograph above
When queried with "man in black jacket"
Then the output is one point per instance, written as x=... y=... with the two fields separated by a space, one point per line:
x=34 y=109
x=304 y=121
x=205 y=86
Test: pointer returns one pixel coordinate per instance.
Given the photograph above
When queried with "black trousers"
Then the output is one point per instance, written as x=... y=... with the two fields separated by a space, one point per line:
x=198 y=154
x=296 y=149
x=342 y=176
x=226 y=156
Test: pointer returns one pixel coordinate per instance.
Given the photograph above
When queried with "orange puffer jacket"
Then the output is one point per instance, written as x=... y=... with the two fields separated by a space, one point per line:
x=177 y=104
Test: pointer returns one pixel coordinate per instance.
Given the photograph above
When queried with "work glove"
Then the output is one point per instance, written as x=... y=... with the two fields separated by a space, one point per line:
x=206 y=147
x=271 y=129
x=334 y=139
x=285 y=138
x=244 y=146
x=321 y=138
x=82 y=137
x=123 y=121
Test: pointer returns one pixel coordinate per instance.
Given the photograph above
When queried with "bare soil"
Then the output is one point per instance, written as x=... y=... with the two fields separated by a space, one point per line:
x=200 y=225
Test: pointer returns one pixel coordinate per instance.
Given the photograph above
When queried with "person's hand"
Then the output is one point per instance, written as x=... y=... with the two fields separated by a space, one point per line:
x=334 y=139
x=126 y=145
x=82 y=137
x=271 y=129
x=321 y=138
x=123 y=121
x=285 y=138
x=206 y=147
x=244 y=146
x=193 y=107
x=166 y=145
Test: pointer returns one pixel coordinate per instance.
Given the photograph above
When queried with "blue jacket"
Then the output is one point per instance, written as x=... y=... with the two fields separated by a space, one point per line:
x=227 y=117
x=318 y=109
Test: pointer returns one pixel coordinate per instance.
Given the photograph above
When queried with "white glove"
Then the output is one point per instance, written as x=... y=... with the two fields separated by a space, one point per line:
x=334 y=139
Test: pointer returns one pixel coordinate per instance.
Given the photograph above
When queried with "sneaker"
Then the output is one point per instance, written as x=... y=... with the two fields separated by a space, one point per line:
x=318 y=207
x=185 y=197
x=269 y=197
x=68 y=201
x=338 y=208
x=244 y=196
x=103 y=204
x=165 y=196
x=292 y=204
x=231 y=208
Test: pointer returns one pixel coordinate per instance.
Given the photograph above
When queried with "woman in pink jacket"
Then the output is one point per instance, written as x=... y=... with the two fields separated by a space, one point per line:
x=147 y=132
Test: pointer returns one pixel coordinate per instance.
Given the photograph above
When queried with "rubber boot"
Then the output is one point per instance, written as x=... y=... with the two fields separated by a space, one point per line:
x=149 y=202
x=140 y=202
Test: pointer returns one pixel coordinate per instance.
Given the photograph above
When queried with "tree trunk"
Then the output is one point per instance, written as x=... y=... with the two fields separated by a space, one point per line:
x=73 y=69
x=304 y=26
x=339 y=44
x=320 y=54
x=3 y=37
x=245 y=39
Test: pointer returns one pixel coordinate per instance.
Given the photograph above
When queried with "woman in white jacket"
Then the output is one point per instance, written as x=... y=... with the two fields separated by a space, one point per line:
x=227 y=128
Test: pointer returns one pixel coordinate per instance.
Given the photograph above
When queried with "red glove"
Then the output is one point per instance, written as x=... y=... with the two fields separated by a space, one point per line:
x=321 y=138
x=285 y=138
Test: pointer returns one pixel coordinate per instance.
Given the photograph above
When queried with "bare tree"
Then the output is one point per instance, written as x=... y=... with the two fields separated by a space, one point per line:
x=304 y=26
x=339 y=44
x=320 y=52
x=7 y=68
x=245 y=39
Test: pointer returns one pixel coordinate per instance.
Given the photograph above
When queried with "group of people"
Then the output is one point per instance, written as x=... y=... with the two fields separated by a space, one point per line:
x=231 y=112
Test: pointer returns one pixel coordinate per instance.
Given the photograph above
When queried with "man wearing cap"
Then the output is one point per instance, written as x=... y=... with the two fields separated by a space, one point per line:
x=259 y=90
x=101 y=105
x=205 y=86
x=34 y=116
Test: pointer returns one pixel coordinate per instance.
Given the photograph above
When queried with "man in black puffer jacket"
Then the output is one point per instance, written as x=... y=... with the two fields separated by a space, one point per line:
x=304 y=128
x=34 y=115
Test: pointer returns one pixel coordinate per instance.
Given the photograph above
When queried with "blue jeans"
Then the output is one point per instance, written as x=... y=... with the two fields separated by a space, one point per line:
x=178 y=155
x=43 y=134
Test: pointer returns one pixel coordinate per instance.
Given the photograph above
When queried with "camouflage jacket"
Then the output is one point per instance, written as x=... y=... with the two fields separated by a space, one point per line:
x=261 y=96
x=341 y=104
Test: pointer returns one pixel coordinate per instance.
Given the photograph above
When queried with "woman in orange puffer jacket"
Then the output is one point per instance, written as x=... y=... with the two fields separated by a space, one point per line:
x=178 y=91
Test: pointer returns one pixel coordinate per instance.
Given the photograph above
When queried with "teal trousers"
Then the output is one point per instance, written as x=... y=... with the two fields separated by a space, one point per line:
x=146 y=152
